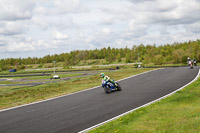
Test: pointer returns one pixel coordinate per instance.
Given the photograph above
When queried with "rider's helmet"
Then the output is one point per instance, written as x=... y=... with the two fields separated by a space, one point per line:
x=102 y=75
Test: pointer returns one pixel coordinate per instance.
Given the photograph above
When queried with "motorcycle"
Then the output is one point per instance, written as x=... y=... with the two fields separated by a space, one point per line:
x=190 y=63
x=110 y=87
x=191 y=66
x=195 y=62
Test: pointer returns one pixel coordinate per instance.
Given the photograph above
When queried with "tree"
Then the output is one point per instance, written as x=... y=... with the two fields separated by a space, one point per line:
x=175 y=53
x=178 y=55
x=158 y=60
x=119 y=57
x=128 y=58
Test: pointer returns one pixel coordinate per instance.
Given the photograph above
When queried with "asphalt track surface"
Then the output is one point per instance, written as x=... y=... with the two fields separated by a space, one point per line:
x=76 y=112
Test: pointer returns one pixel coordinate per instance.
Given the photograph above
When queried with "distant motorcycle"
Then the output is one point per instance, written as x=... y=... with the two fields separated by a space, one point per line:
x=195 y=62
x=190 y=63
x=110 y=87
x=191 y=66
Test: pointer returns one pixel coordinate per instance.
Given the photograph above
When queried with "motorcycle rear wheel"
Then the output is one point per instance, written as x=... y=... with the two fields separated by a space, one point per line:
x=107 y=89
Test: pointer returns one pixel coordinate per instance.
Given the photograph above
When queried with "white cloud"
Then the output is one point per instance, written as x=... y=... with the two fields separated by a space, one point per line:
x=17 y=44
x=59 y=36
x=16 y=9
x=40 y=22
x=57 y=22
x=23 y=43
x=66 y=5
x=12 y=28
x=20 y=47
x=193 y=28
x=108 y=20
x=57 y=7
x=106 y=31
x=65 y=25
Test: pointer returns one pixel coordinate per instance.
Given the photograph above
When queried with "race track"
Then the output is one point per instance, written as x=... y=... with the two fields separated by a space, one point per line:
x=79 y=111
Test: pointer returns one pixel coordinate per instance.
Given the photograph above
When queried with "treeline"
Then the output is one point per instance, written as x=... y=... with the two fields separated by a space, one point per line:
x=158 y=55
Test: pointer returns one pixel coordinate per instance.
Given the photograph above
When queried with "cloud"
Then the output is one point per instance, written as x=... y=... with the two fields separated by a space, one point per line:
x=12 y=28
x=57 y=22
x=20 y=47
x=17 y=44
x=57 y=7
x=22 y=43
x=16 y=10
x=169 y=12
x=108 y=20
x=193 y=28
x=106 y=31
x=65 y=25
x=66 y=5
x=59 y=36
x=141 y=1
x=2 y=42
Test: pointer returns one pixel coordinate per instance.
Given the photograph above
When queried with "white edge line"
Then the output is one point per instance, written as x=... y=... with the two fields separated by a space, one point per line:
x=100 y=124
x=70 y=93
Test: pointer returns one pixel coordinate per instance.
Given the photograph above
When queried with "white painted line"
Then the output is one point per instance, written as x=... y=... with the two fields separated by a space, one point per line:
x=69 y=94
x=100 y=124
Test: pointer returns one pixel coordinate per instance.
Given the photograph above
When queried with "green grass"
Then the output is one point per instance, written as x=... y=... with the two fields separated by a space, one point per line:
x=179 y=113
x=13 y=96
x=7 y=82
x=26 y=82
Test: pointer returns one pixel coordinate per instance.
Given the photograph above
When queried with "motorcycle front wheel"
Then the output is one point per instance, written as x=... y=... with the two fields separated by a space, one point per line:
x=119 y=87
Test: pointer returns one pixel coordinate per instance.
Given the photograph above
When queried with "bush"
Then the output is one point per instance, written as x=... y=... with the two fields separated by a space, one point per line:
x=29 y=66
x=158 y=60
x=49 y=65
x=66 y=67
x=21 y=67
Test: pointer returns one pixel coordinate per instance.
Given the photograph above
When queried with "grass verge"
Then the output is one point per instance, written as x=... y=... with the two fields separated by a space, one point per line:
x=179 y=113
x=13 y=96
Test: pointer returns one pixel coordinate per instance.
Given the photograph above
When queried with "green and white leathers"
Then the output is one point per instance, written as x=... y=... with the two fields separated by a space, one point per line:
x=106 y=78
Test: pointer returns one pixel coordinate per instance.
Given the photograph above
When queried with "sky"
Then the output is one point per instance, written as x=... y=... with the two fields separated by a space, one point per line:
x=35 y=28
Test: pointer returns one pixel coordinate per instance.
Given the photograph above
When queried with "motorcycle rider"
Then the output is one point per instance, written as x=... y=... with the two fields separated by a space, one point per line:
x=106 y=78
x=195 y=62
x=189 y=61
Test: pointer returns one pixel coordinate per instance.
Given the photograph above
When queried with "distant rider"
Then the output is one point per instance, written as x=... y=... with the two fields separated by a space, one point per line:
x=189 y=61
x=106 y=78
x=195 y=62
